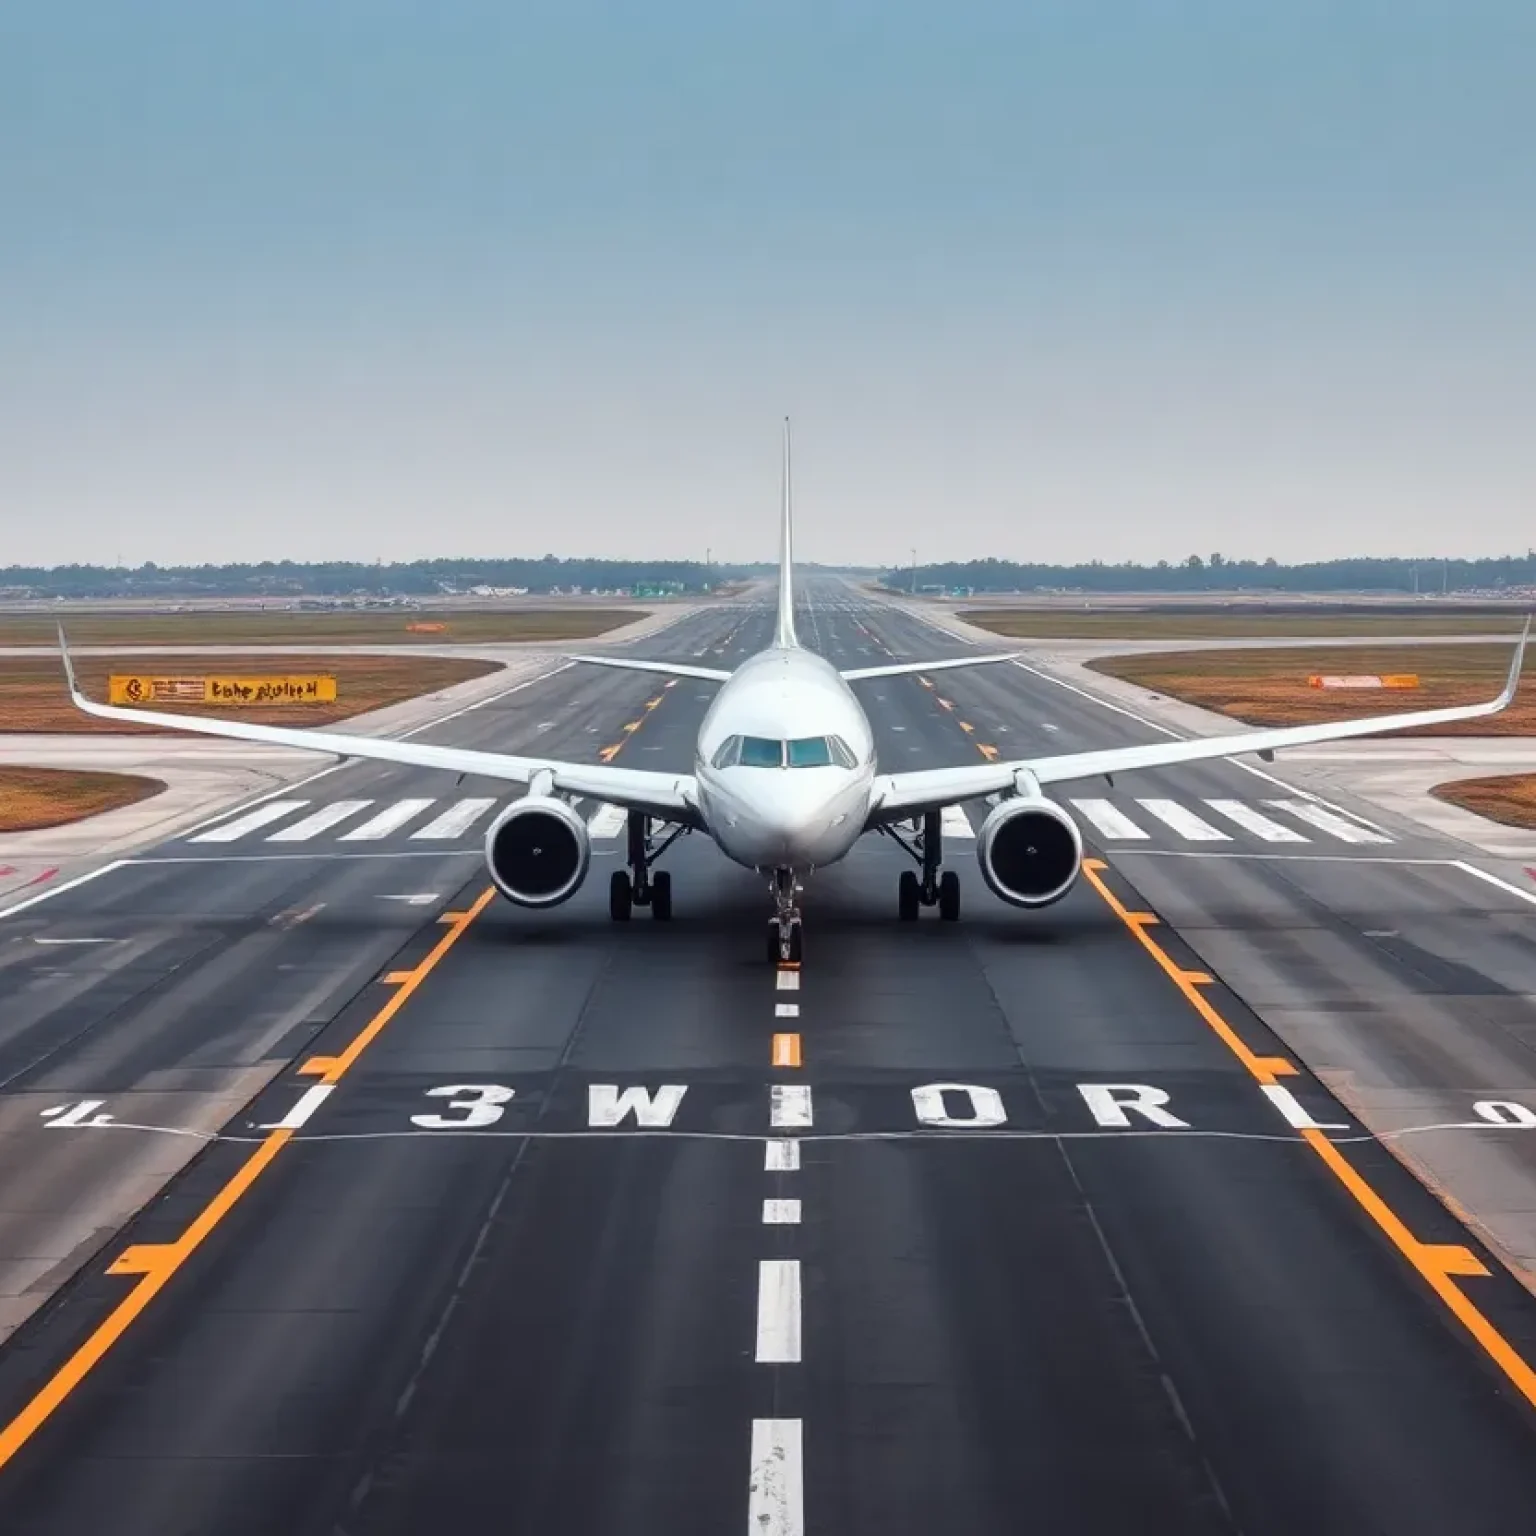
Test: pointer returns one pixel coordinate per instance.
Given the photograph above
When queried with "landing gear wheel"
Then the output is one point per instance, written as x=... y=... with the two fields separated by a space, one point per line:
x=621 y=896
x=909 y=896
x=661 y=896
x=949 y=896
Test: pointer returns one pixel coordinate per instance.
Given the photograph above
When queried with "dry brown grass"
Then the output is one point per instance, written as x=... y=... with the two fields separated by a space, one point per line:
x=1268 y=686
x=1170 y=625
x=32 y=799
x=1511 y=800
x=32 y=696
x=274 y=627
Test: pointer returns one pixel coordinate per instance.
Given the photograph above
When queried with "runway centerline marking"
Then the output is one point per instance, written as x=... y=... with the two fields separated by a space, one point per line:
x=156 y=1263
x=778 y=1312
x=786 y=1050
x=1439 y=1264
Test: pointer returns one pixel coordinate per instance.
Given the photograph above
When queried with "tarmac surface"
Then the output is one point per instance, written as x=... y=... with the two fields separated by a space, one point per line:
x=454 y=1215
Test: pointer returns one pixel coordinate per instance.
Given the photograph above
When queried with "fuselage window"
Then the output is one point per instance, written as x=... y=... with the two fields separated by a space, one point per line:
x=810 y=752
x=728 y=752
x=759 y=752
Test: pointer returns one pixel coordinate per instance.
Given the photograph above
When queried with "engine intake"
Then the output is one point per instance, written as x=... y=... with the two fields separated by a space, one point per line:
x=1030 y=852
x=538 y=851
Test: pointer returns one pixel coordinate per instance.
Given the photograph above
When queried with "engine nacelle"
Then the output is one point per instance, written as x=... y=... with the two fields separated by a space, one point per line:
x=538 y=851
x=1030 y=852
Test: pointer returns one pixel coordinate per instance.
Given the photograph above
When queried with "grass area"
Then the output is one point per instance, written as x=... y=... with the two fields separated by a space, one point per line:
x=275 y=627
x=1511 y=799
x=1166 y=624
x=32 y=799
x=1269 y=686
x=32 y=696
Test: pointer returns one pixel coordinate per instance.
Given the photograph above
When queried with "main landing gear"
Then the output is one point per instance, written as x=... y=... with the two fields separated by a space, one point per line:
x=931 y=888
x=637 y=886
x=786 y=944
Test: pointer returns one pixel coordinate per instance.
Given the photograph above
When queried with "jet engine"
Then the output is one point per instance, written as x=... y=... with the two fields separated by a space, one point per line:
x=538 y=851
x=1030 y=852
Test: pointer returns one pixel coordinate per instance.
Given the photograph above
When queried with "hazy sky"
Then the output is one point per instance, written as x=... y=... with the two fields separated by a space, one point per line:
x=1057 y=279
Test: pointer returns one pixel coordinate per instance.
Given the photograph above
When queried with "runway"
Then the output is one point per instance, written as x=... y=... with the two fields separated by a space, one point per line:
x=461 y=1216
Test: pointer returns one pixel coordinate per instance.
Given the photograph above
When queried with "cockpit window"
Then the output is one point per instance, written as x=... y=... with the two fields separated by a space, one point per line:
x=810 y=752
x=759 y=752
x=803 y=752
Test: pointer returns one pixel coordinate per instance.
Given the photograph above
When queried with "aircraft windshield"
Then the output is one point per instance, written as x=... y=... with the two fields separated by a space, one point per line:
x=803 y=752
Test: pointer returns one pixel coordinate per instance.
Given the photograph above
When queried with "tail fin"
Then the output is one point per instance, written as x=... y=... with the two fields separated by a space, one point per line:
x=784 y=636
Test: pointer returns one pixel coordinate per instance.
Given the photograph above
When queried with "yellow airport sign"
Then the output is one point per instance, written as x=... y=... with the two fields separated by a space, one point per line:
x=254 y=692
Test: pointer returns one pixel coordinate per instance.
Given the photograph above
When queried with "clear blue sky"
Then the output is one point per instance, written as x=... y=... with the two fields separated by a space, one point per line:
x=1050 y=278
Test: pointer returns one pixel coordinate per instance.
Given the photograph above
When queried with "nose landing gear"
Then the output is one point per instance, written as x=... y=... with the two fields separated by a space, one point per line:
x=785 y=930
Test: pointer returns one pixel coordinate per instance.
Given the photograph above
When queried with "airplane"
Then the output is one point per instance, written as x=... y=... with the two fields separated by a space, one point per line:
x=786 y=781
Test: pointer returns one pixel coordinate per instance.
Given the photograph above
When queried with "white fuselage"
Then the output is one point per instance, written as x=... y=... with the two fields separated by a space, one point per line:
x=807 y=806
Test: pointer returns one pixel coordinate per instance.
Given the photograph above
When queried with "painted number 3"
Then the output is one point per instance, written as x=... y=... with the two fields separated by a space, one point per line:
x=477 y=1104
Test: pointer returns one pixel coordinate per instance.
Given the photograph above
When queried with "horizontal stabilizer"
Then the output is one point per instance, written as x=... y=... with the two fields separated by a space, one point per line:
x=666 y=668
x=901 y=668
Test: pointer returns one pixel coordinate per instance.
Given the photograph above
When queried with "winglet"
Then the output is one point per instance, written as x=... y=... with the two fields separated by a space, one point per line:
x=1515 y=663
x=784 y=635
x=69 y=667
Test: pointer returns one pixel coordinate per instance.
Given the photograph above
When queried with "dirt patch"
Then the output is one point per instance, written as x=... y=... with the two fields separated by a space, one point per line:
x=1510 y=800
x=1040 y=624
x=1269 y=686
x=268 y=627
x=33 y=799
x=32 y=696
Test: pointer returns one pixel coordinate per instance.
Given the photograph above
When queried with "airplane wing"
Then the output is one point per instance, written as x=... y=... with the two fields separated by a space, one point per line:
x=897 y=795
x=901 y=668
x=666 y=668
x=668 y=796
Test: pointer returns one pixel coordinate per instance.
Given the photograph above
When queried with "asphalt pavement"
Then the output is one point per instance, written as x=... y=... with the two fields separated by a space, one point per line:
x=460 y=1216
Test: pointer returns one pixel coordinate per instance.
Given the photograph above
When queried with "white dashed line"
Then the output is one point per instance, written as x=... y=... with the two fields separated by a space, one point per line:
x=786 y=1010
x=390 y=819
x=789 y=981
x=456 y=820
x=309 y=1101
x=319 y=821
x=1256 y=822
x=1328 y=821
x=781 y=1156
x=228 y=831
x=781 y=1213
x=789 y=1105
x=776 y=1486
x=778 y=1312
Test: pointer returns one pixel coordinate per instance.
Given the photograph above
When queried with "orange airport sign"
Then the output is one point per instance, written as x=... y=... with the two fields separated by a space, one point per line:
x=1370 y=680
x=253 y=692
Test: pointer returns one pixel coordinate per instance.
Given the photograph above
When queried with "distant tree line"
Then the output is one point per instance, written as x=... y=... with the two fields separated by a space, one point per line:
x=1216 y=574
x=419 y=579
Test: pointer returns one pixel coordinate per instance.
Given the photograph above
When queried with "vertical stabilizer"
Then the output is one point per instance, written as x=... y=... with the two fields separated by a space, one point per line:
x=784 y=635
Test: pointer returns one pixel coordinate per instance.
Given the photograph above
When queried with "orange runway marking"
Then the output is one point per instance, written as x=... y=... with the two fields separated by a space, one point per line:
x=786 y=1050
x=1440 y=1264
x=156 y=1263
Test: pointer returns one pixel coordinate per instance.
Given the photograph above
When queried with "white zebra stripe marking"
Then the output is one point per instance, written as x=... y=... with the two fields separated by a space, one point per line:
x=263 y=815
x=455 y=821
x=1109 y=819
x=953 y=822
x=1184 y=821
x=318 y=821
x=1257 y=822
x=608 y=822
x=390 y=819
x=1327 y=821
